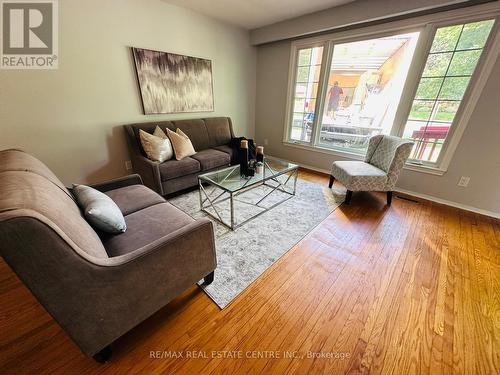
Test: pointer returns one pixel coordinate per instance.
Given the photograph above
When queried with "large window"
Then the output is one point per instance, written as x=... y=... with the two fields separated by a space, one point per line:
x=342 y=93
x=451 y=62
x=306 y=89
x=365 y=82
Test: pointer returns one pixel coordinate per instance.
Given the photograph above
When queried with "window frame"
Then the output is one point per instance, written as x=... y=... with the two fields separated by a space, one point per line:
x=427 y=26
x=287 y=134
x=468 y=101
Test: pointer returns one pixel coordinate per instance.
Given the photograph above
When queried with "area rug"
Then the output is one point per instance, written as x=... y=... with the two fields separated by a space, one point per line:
x=245 y=253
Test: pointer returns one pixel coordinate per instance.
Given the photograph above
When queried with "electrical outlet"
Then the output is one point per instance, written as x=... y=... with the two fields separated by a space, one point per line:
x=128 y=165
x=464 y=181
x=266 y=142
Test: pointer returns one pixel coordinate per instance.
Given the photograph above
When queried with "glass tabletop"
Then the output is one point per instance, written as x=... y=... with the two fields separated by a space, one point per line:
x=230 y=178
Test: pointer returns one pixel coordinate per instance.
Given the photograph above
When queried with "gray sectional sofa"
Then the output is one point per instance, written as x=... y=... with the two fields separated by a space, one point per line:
x=97 y=286
x=210 y=138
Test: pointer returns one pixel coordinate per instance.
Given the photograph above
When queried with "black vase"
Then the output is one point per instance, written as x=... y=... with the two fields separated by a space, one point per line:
x=244 y=161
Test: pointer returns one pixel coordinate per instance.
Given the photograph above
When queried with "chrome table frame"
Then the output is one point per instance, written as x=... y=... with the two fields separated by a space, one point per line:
x=206 y=196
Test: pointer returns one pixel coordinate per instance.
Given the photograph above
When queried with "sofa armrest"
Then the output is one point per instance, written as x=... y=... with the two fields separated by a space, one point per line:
x=149 y=171
x=132 y=179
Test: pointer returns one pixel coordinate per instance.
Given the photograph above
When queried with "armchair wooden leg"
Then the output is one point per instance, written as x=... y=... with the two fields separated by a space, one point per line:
x=348 y=197
x=332 y=179
x=207 y=280
x=389 y=198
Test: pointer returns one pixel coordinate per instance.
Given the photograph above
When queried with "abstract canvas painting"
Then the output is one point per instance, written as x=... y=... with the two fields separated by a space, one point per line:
x=171 y=83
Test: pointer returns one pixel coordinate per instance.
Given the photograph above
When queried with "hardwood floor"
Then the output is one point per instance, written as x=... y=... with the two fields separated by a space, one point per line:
x=413 y=288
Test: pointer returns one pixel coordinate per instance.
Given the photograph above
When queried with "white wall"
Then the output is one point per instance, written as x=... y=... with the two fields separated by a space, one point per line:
x=71 y=118
x=477 y=155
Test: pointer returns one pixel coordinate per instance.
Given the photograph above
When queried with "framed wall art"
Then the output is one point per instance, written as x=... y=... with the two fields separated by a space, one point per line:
x=172 y=83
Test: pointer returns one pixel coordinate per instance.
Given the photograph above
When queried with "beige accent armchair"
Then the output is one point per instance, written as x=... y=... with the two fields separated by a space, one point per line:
x=379 y=171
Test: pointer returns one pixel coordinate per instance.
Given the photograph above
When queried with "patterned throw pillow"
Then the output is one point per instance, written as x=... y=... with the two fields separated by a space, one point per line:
x=99 y=209
x=181 y=143
x=157 y=146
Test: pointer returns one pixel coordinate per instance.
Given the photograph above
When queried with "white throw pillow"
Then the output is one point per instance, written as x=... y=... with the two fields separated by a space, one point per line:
x=157 y=146
x=99 y=209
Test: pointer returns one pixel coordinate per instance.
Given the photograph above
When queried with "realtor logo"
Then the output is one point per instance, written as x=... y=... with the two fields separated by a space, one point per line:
x=29 y=34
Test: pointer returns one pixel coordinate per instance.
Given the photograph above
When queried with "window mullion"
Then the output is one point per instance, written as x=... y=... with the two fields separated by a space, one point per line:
x=322 y=88
x=291 y=93
x=304 y=110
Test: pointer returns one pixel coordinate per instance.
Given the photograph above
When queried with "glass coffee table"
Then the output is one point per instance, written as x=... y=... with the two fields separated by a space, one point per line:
x=278 y=176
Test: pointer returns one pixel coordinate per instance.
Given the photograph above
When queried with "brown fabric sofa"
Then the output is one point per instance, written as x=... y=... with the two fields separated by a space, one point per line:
x=96 y=286
x=210 y=138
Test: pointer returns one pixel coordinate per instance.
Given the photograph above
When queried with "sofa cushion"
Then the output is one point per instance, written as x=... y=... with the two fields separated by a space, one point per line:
x=359 y=176
x=219 y=131
x=18 y=160
x=196 y=131
x=179 y=183
x=134 y=198
x=210 y=159
x=177 y=168
x=233 y=155
x=144 y=227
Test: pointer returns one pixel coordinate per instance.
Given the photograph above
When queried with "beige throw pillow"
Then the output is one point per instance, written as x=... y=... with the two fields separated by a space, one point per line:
x=157 y=146
x=181 y=143
x=160 y=133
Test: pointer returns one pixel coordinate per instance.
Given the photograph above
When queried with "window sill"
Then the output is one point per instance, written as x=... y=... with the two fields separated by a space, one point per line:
x=325 y=150
x=425 y=169
x=353 y=156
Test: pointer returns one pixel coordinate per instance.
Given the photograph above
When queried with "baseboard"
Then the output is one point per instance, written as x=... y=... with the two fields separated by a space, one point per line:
x=464 y=207
x=431 y=198
x=305 y=166
x=314 y=169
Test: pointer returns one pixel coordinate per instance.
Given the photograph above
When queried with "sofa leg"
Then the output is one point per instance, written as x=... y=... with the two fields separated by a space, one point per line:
x=348 y=197
x=104 y=355
x=389 y=198
x=207 y=280
x=332 y=179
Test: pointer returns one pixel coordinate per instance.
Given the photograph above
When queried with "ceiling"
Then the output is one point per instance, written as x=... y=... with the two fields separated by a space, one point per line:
x=251 y=14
